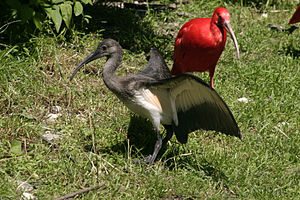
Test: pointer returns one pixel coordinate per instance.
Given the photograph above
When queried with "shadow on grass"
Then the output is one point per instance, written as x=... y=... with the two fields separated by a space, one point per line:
x=141 y=138
x=201 y=165
x=141 y=135
x=212 y=171
x=292 y=51
x=123 y=25
x=189 y=162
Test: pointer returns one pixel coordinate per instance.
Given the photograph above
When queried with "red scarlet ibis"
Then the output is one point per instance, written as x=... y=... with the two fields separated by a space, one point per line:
x=200 y=42
x=296 y=16
x=181 y=104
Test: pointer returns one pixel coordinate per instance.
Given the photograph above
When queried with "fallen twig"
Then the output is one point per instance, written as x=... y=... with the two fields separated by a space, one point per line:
x=80 y=192
x=279 y=11
x=5 y=26
x=128 y=150
x=283 y=133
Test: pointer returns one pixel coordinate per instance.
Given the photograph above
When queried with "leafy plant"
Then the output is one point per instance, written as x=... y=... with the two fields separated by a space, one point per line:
x=35 y=12
x=61 y=10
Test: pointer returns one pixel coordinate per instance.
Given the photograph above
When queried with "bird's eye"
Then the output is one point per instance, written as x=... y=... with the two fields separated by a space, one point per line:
x=220 y=20
x=104 y=47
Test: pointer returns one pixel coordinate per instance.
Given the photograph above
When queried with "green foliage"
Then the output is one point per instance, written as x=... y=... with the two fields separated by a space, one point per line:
x=60 y=10
x=34 y=13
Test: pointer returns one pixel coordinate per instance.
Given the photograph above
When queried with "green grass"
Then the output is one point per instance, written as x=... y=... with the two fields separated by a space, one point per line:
x=95 y=127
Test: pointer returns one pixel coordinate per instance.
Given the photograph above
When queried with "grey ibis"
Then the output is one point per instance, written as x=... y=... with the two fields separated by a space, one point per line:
x=182 y=104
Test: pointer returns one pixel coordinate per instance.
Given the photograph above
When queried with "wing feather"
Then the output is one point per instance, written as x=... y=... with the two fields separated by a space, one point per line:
x=198 y=106
x=156 y=66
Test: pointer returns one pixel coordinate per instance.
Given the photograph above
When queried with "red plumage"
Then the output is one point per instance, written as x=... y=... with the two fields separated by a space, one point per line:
x=296 y=16
x=200 y=42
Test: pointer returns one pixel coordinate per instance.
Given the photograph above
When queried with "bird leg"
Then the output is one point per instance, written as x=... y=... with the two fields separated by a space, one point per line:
x=211 y=82
x=159 y=143
x=150 y=159
x=211 y=75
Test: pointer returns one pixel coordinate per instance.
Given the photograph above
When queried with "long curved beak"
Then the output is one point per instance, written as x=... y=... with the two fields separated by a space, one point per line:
x=93 y=56
x=228 y=28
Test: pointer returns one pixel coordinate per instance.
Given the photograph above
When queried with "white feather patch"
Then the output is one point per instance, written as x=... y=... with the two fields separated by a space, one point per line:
x=151 y=98
x=153 y=106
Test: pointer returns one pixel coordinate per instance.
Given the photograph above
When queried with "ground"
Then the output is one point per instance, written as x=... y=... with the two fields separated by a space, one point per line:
x=99 y=137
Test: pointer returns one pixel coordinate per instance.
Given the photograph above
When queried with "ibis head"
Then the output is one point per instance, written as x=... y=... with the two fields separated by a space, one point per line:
x=106 y=48
x=221 y=18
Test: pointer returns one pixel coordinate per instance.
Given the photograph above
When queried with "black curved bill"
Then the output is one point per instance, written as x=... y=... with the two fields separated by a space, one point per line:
x=93 y=56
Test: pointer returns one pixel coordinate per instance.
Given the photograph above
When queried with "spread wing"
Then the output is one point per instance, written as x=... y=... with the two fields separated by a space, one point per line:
x=198 y=106
x=156 y=67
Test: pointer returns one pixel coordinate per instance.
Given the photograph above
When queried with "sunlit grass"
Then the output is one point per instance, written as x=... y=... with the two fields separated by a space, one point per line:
x=100 y=136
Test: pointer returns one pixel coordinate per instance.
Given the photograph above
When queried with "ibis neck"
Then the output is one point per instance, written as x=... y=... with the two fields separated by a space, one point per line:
x=218 y=32
x=111 y=80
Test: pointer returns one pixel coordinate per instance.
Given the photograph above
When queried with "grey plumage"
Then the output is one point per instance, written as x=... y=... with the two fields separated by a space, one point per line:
x=182 y=104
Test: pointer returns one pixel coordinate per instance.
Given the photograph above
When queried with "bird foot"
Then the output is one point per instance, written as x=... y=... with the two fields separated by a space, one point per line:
x=147 y=160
